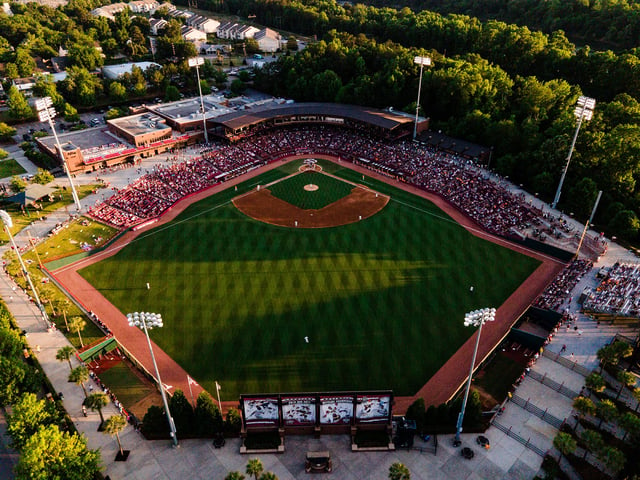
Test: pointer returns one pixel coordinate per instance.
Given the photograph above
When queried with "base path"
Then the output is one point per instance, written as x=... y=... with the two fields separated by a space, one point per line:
x=439 y=388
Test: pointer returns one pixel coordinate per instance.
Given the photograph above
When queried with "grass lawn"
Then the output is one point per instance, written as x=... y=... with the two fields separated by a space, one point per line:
x=292 y=190
x=126 y=386
x=10 y=167
x=381 y=300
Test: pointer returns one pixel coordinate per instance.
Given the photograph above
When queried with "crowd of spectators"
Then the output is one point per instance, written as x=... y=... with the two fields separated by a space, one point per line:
x=485 y=201
x=618 y=293
x=555 y=295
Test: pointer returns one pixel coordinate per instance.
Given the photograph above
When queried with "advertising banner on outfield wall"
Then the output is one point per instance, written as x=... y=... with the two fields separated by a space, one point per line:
x=261 y=411
x=336 y=409
x=373 y=408
x=298 y=411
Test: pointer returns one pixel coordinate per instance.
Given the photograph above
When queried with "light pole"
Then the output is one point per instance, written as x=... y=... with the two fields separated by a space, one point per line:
x=8 y=223
x=477 y=318
x=588 y=224
x=583 y=111
x=196 y=62
x=46 y=112
x=422 y=61
x=147 y=321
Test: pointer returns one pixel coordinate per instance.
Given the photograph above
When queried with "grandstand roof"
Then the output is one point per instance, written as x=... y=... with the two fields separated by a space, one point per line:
x=379 y=118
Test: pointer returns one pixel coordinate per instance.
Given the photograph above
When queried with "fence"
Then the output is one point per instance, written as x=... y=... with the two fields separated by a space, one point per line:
x=571 y=365
x=538 y=412
x=552 y=384
x=527 y=443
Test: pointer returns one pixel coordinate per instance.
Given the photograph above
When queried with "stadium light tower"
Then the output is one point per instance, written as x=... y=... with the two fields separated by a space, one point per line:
x=422 y=61
x=8 y=223
x=477 y=318
x=146 y=320
x=46 y=113
x=196 y=62
x=584 y=111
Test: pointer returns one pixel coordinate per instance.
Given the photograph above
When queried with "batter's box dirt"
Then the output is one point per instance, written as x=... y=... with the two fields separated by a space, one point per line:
x=361 y=203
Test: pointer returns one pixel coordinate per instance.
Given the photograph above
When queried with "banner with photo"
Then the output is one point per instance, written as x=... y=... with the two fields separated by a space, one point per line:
x=260 y=411
x=298 y=410
x=336 y=410
x=373 y=408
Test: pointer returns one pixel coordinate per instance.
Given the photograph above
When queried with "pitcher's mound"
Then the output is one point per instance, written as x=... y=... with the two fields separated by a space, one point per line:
x=361 y=203
x=311 y=187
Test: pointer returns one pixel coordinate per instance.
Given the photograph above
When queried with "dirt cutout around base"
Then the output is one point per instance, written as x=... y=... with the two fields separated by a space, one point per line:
x=361 y=203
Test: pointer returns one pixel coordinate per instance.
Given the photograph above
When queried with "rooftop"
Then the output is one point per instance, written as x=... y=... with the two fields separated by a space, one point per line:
x=189 y=109
x=141 y=123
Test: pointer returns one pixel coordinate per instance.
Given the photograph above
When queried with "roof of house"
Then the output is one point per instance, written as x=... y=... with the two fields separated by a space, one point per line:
x=267 y=33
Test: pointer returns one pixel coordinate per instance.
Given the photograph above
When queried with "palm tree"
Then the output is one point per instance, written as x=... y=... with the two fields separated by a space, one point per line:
x=63 y=304
x=77 y=324
x=565 y=443
x=268 y=476
x=79 y=375
x=113 y=426
x=97 y=401
x=65 y=353
x=398 y=471
x=255 y=467
x=234 y=476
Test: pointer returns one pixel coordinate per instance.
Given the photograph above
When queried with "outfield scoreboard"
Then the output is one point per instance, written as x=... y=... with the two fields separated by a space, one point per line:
x=316 y=409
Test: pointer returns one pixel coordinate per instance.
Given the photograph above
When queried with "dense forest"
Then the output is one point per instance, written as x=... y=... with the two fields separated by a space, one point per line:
x=615 y=23
x=498 y=84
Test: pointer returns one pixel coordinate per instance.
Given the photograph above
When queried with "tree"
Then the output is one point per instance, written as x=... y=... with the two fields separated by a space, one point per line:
x=79 y=375
x=595 y=382
x=208 y=418
x=398 y=471
x=234 y=476
x=42 y=177
x=626 y=224
x=171 y=94
x=50 y=453
x=6 y=132
x=113 y=426
x=417 y=412
x=606 y=411
x=25 y=62
x=268 y=476
x=593 y=440
x=254 y=467
x=18 y=184
x=65 y=353
x=627 y=379
x=233 y=421
x=182 y=412
x=84 y=54
x=237 y=87
x=613 y=458
x=117 y=92
x=155 y=421
x=70 y=113
x=11 y=344
x=3 y=154
x=565 y=443
x=631 y=424
x=27 y=416
x=19 y=109
x=76 y=325
x=584 y=406
x=97 y=401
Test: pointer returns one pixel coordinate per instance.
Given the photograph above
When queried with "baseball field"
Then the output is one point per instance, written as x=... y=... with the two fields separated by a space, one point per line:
x=372 y=304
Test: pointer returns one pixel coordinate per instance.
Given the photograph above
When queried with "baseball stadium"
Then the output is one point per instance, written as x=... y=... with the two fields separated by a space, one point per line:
x=314 y=248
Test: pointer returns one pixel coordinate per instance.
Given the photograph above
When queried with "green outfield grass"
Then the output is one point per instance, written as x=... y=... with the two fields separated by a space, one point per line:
x=382 y=300
x=292 y=190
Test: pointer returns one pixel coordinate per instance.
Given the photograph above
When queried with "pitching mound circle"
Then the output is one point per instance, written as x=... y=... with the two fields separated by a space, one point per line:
x=311 y=187
x=361 y=203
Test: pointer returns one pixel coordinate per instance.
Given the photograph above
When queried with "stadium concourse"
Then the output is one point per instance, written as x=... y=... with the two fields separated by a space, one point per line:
x=506 y=459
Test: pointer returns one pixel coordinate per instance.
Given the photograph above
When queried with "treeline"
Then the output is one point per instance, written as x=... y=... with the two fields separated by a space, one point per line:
x=518 y=50
x=528 y=122
x=39 y=429
x=613 y=22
